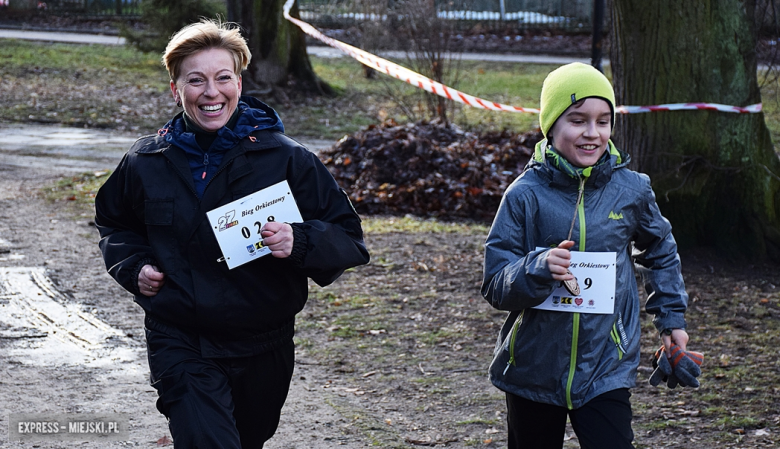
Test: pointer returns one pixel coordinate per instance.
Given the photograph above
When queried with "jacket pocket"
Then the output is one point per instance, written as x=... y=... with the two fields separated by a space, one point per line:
x=158 y=212
x=511 y=341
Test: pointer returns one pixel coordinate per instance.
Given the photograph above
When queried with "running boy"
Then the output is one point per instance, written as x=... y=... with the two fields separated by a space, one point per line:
x=570 y=346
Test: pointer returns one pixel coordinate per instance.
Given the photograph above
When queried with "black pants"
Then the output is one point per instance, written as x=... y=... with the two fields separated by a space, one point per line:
x=603 y=423
x=218 y=403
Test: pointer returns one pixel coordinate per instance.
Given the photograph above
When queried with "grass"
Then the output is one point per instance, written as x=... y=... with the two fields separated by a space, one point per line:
x=83 y=85
x=513 y=84
x=385 y=225
x=770 y=97
x=29 y=56
x=478 y=420
x=122 y=81
x=79 y=189
x=130 y=90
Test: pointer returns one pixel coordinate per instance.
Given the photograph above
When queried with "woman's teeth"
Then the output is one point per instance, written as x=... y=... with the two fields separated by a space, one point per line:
x=211 y=108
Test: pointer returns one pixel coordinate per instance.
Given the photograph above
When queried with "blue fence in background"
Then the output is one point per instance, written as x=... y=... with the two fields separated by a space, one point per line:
x=563 y=14
x=95 y=7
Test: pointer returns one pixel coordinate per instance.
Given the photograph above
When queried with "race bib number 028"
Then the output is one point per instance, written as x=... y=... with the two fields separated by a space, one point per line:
x=237 y=225
x=595 y=273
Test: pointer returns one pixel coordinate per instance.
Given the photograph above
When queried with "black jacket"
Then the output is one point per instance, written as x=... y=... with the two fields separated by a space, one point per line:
x=148 y=213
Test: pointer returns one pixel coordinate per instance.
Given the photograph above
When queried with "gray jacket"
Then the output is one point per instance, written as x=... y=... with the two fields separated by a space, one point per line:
x=564 y=358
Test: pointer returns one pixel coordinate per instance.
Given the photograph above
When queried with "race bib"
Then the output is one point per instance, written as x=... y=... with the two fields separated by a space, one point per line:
x=237 y=225
x=595 y=273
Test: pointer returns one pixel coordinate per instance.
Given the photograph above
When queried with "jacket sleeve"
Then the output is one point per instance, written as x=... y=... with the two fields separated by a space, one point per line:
x=330 y=239
x=657 y=252
x=122 y=234
x=516 y=276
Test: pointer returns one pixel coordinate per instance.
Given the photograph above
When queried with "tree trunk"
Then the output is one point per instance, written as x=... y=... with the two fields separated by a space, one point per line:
x=716 y=174
x=279 y=58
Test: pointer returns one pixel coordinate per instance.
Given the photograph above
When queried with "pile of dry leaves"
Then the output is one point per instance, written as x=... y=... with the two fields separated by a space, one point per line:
x=427 y=169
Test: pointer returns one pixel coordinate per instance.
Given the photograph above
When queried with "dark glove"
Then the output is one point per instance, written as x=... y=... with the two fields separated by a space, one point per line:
x=682 y=368
x=663 y=370
x=686 y=366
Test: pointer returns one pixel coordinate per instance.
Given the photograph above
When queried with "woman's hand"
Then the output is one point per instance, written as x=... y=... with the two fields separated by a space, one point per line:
x=678 y=337
x=558 y=261
x=150 y=280
x=278 y=237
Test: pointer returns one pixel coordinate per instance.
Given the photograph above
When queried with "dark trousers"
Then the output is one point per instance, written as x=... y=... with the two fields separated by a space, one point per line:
x=218 y=403
x=603 y=423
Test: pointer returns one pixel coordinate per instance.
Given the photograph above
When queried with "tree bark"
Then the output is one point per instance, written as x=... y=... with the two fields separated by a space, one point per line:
x=716 y=174
x=279 y=57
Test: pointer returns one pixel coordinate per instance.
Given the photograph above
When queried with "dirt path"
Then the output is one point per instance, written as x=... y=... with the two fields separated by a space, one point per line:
x=71 y=340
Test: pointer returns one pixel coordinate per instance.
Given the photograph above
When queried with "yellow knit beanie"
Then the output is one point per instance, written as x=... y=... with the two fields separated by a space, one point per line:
x=569 y=84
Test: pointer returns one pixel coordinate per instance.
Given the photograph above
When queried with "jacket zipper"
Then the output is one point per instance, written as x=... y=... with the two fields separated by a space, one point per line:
x=205 y=164
x=512 y=338
x=575 y=331
x=222 y=167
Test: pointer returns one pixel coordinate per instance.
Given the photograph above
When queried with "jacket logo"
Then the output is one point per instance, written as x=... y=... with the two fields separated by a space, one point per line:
x=614 y=216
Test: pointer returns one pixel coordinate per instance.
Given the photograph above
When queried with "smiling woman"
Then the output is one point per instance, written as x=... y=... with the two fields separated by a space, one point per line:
x=208 y=89
x=219 y=338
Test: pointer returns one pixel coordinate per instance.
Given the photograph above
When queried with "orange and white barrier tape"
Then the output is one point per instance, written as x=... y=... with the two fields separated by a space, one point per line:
x=415 y=79
x=753 y=108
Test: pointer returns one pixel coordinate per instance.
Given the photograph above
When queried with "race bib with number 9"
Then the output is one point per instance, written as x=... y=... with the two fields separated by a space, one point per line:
x=595 y=273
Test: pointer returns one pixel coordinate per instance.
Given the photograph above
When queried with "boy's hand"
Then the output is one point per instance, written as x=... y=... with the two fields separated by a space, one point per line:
x=678 y=337
x=558 y=261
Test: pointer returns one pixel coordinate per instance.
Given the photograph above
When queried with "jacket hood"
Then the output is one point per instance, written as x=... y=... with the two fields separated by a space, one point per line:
x=598 y=174
x=252 y=115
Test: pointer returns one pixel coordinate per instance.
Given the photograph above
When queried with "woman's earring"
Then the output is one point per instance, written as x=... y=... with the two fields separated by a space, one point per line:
x=178 y=102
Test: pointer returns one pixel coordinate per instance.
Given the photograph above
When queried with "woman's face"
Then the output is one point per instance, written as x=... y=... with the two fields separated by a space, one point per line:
x=208 y=88
x=582 y=133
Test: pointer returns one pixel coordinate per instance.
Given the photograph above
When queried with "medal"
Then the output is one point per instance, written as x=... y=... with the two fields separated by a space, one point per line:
x=572 y=286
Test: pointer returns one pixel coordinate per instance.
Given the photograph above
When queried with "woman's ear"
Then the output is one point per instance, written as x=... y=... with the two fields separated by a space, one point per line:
x=175 y=93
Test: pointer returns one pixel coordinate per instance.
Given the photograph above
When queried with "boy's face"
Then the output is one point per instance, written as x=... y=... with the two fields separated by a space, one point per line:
x=581 y=134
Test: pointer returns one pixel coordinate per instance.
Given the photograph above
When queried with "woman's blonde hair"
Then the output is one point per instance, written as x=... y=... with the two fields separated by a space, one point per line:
x=205 y=35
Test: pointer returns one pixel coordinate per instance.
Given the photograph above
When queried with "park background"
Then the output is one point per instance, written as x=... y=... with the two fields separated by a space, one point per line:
x=399 y=349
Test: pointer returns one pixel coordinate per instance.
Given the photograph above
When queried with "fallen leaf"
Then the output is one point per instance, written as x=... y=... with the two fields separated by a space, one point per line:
x=164 y=441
